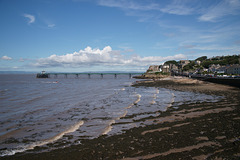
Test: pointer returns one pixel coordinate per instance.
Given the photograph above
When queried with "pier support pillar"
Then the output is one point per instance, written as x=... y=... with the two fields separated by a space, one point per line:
x=130 y=76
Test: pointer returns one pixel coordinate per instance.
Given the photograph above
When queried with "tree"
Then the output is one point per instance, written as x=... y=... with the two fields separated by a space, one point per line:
x=172 y=62
x=189 y=66
x=203 y=58
x=206 y=63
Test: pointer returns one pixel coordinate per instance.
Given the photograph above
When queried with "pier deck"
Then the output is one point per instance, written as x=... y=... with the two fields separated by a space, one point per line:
x=48 y=75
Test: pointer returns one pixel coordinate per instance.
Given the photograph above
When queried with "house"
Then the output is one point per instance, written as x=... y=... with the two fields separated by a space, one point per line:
x=205 y=70
x=154 y=68
x=221 y=69
x=233 y=69
x=198 y=62
x=167 y=68
x=213 y=68
x=173 y=67
x=184 y=63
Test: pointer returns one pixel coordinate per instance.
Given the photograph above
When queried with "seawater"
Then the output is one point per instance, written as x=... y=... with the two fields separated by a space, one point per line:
x=58 y=112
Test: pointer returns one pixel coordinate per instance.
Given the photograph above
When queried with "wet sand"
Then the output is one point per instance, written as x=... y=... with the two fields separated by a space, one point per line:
x=208 y=130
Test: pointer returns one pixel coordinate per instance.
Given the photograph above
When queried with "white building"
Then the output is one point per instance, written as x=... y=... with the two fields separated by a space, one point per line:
x=233 y=69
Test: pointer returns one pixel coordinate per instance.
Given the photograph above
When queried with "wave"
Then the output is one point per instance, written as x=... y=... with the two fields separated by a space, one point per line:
x=50 y=82
x=135 y=102
x=109 y=127
x=155 y=96
x=139 y=98
x=44 y=142
x=33 y=99
x=172 y=100
x=123 y=115
x=10 y=133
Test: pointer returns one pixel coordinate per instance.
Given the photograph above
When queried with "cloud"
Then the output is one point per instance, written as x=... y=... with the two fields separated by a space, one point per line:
x=169 y=34
x=217 y=9
x=223 y=8
x=184 y=7
x=178 y=8
x=6 y=58
x=217 y=48
x=21 y=59
x=104 y=57
x=15 y=67
x=128 y=4
x=31 y=18
x=51 y=25
x=187 y=46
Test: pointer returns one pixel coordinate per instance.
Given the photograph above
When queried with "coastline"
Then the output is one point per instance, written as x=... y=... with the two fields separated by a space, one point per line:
x=185 y=84
x=189 y=131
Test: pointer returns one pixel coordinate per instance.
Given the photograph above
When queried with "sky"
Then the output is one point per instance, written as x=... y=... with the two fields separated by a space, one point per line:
x=114 y=35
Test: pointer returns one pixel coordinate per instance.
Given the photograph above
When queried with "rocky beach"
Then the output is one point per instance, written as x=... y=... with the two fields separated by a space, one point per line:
x=207 y=130
x=120 y=80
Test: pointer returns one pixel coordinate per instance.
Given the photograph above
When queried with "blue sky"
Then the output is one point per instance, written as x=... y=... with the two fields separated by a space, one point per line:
x=114 y=35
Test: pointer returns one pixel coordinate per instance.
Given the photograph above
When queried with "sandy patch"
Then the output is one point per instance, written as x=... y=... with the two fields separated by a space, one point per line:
x=181 y=116
x=220 y=137
x=163 y=129
x=154 y=130
x=236 y=118
x=186 y=84
x=202 y=139
x=175 y=150
x=201 y=157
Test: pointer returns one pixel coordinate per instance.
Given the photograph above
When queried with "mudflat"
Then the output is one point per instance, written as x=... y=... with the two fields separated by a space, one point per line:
x=207 y=130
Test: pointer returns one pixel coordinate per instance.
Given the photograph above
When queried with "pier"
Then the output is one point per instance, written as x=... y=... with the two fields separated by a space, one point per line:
x=78 y=75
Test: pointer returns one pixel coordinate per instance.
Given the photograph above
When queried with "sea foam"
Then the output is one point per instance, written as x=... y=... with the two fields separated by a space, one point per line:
x=44 y=142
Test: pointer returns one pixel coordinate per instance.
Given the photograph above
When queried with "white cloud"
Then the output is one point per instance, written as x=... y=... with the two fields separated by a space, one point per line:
x=31 y=18
x=223 y=8
x=15 y=67
x=104 y=57
x=213 y=13
x=21 y=60
x=217 y=48
x=178 y=8
x=128 y=4
x=51 y=25
x=6 y=58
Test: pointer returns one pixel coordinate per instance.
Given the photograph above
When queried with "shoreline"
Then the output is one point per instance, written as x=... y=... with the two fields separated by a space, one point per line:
x=189 y=131
x=186 y=84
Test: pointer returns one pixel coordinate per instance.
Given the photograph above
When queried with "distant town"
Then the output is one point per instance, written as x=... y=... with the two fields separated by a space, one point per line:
x=218 y=66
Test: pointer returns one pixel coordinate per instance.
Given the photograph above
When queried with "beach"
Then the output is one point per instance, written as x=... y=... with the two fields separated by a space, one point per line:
x=200 y=130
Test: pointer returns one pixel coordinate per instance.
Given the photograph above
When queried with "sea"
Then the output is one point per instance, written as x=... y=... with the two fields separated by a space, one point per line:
x=61 y=111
